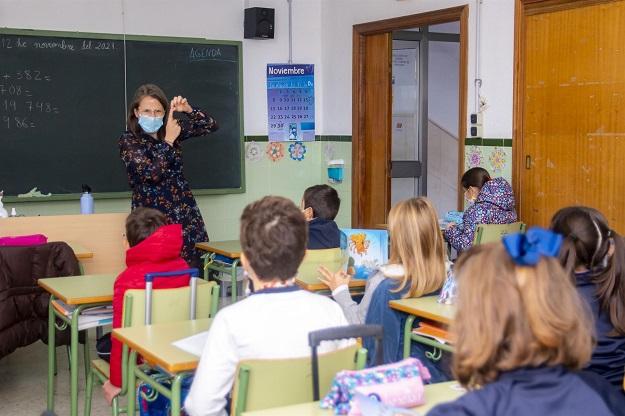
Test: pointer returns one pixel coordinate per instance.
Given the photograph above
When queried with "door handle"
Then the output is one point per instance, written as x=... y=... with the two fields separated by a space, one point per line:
x=528 y=162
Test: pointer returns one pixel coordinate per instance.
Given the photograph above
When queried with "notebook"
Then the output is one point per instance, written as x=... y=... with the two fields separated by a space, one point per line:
x=367 y=251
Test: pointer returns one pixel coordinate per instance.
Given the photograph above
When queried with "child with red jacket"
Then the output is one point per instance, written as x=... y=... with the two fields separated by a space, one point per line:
x=152 y=246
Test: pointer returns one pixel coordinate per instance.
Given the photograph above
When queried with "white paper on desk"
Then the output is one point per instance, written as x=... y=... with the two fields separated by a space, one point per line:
x=193 y=344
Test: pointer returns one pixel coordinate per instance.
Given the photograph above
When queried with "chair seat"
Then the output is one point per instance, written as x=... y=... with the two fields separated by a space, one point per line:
x=101 y=367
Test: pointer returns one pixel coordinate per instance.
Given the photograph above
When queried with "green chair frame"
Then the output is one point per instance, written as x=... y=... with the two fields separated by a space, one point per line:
x=490 y=233
x=257 y=381
x=99 y=369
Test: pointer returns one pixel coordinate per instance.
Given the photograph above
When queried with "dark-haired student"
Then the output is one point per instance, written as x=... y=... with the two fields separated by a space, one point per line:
x=152 y=246
x=594 y=256
x=321 y=204
x=491 y=202
x=275 y=320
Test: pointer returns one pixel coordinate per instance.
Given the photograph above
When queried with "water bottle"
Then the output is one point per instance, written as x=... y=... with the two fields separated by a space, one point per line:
x=86 y=200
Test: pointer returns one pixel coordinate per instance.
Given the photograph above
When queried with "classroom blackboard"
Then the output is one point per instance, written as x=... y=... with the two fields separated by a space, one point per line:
x=63 y=107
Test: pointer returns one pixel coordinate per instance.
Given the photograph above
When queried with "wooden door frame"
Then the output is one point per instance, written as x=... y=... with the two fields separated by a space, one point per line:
x=360 y=31
x=523 y=9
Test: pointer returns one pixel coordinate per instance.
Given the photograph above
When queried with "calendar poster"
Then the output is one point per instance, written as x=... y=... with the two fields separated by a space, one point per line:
x=291 y=102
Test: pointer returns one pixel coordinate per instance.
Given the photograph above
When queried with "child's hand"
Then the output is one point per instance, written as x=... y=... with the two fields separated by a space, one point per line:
x=333 y=280
x=450 y=225
x=110 y=391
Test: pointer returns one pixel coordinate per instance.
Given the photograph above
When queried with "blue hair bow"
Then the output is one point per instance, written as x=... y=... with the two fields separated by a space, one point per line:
x=527 y=249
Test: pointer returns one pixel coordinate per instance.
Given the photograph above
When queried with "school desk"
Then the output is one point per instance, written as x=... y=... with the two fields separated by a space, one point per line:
x=154 y=344
x=428 y=308
x=230 y=249
x=81 y=292
x=354 y=285
x=434 y=394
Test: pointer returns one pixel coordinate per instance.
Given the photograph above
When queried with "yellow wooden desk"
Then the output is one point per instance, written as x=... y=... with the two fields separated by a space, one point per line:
x=80 y=251
x=230 y=249
x=154 y=344
x=320 y=286
x=434 y=394
x=425 y=307
x=81 y=292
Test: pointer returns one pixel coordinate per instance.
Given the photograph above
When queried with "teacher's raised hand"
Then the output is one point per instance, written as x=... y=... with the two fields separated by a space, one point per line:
x=172 y=128
x=181 y=104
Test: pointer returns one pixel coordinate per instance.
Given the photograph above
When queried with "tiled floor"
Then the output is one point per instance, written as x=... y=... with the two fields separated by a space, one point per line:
x=23 y=382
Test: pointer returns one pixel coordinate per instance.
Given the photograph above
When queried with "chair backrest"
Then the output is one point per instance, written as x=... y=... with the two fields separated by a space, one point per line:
x=263 y=384
x=340 y=333
x=332 y=258
x=167 y=305
x=490 y=233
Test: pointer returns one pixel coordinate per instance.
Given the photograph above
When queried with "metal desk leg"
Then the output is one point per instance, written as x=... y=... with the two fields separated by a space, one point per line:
x=407 y=335
x=233 y=275
x=175 y=395
x=51 y=355
x=73 y=364
x=132 y=382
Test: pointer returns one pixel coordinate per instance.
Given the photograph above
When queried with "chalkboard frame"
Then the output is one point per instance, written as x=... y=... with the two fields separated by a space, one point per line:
x=145 y=38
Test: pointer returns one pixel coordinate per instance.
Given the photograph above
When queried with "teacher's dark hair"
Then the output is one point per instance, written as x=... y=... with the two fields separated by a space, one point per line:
x=146 y=90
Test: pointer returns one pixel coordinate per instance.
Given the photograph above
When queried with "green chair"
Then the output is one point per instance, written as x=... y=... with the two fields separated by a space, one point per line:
x=257 y=381
x=144 y=306
x=332 y=258
x=490 y=233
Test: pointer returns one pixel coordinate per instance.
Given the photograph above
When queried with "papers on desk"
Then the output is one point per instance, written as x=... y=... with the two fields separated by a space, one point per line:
x=90 y=317
x=193 y=344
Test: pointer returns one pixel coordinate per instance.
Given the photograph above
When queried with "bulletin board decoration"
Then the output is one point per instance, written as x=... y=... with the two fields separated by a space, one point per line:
x=297 y=151
x=275 y=151
x=291 y=102
x=253 y=152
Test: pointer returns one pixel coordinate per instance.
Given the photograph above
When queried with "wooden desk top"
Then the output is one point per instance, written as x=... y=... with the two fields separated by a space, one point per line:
x=77 y=290
x=425 y=307
x=229 y=248
x=434 y=394
x=80 y=251
x=317 y=286
x=154 y=343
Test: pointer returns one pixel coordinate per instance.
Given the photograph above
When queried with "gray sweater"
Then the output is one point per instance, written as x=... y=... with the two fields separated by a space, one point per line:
x=357 y=312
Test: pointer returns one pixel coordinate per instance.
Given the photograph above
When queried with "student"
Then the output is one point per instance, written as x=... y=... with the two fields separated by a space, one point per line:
x=417 y=247
x=321 y=205
x=595 y=256
x=274 y=321
x=151 y=246
x=522 y=335
x=492 y=202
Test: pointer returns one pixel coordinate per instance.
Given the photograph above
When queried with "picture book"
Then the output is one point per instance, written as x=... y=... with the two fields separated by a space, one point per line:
x=367 y=251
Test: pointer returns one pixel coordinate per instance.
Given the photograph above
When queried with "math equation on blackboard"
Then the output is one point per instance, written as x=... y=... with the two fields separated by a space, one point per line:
x=291 y=102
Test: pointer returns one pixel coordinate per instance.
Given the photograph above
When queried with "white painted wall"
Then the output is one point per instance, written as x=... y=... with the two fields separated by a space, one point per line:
x=211 y=19
x=497 y=42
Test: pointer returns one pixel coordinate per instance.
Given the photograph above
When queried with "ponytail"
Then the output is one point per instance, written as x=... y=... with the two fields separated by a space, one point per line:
x=611 y=287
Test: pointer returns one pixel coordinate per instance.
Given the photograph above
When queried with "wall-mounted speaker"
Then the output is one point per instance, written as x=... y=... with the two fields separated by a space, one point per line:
x=258 y=23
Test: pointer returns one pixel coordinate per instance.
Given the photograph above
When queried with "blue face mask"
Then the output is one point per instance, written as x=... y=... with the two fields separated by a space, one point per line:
x=150 y=124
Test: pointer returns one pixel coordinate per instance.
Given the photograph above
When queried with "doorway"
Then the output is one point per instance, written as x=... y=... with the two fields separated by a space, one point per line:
x=409 y=102
x=569 y=132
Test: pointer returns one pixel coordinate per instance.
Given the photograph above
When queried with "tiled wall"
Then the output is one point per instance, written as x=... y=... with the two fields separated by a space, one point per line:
x=221 y=213
x=494 y=155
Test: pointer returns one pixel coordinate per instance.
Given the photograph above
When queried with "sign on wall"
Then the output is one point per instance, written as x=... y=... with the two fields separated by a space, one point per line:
x=291 y=102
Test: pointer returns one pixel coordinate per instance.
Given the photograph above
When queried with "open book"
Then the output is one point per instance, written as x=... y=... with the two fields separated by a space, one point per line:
x=193 y=344
x=367 y=250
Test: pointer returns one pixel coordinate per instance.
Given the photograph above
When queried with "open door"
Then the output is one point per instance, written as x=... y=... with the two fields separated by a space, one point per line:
x=372 y=133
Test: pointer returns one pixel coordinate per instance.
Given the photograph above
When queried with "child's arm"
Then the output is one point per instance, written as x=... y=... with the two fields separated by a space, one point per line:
x=215 y=373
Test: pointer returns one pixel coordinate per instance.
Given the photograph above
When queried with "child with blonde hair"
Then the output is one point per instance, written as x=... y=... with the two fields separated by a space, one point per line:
x=416 y=268
x=522 y=334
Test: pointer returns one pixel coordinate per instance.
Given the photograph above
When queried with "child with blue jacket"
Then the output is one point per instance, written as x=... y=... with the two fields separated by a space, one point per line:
x=522 y=335
x=594 y=256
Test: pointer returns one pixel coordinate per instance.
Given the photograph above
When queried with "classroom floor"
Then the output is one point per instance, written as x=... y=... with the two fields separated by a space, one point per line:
x=23 y=376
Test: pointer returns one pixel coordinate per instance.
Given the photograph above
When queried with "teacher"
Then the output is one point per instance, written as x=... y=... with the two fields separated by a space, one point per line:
x=152 y=152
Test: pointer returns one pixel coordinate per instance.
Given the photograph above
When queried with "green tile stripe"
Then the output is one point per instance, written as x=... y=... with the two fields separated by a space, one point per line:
x=478 y=141
x=318 y=138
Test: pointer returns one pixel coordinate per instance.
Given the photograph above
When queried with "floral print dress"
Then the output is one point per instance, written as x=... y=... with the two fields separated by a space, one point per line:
x=155 y=175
